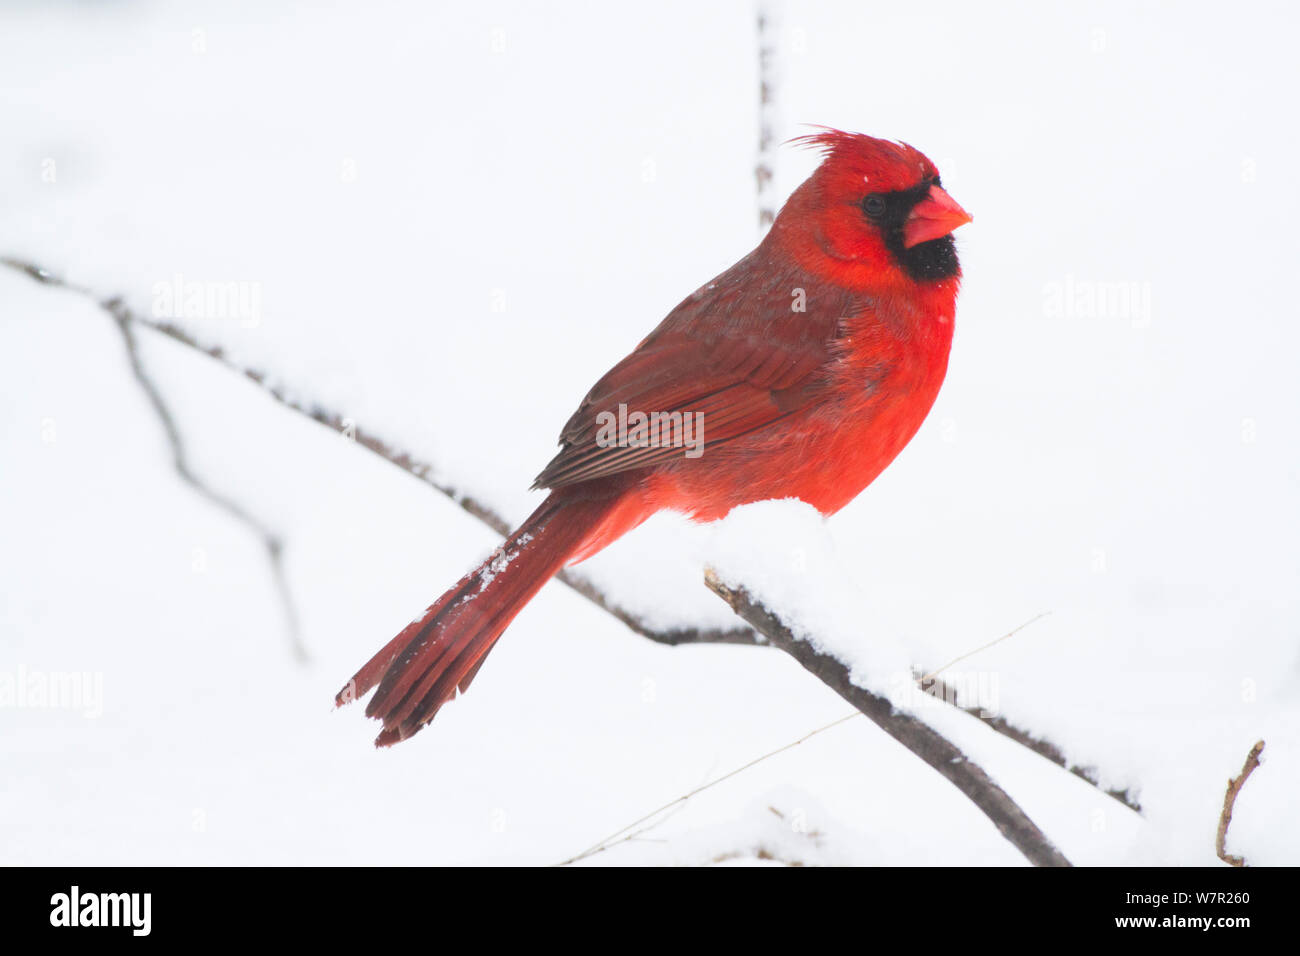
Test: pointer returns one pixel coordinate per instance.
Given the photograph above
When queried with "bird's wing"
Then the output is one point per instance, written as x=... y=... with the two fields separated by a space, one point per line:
x=744 y=350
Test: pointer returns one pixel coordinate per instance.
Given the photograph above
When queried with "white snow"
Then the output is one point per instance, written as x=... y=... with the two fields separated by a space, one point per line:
x=445 y=224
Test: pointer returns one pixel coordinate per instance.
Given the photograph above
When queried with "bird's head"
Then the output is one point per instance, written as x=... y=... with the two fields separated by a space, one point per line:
x=875 y=206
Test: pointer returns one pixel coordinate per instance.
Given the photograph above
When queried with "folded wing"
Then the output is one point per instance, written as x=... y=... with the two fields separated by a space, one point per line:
x=744 y=351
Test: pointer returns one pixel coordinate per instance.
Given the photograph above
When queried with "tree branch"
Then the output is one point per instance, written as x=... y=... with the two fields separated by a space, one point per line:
x=765 y=160
x=918 y=737
x=1230 y=800
x=271 y=541
x=937 y=687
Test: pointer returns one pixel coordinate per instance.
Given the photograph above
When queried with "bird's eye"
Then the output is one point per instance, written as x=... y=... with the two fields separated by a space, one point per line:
x=873 y=206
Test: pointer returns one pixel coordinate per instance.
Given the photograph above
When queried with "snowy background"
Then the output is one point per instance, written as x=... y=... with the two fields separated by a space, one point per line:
x=448 y=221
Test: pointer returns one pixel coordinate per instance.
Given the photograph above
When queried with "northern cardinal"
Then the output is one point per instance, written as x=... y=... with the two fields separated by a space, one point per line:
x=804 y=369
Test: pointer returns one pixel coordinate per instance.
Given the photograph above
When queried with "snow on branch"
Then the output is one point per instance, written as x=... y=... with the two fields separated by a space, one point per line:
x=917 y=736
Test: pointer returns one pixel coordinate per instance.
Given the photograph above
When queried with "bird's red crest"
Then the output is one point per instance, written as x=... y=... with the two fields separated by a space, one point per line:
x=857 y=158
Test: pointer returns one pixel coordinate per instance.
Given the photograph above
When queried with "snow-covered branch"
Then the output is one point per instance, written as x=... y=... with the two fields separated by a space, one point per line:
x=917 y=736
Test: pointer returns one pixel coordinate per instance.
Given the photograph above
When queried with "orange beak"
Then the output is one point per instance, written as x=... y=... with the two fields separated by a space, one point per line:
x=936 y=215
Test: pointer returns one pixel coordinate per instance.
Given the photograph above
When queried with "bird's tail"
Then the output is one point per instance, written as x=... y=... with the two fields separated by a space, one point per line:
x=440 y=652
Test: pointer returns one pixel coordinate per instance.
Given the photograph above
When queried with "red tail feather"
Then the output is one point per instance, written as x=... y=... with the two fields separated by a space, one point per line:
x=423 y=667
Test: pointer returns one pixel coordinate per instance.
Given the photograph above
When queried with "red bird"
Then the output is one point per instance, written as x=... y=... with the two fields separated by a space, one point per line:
x=801 y=372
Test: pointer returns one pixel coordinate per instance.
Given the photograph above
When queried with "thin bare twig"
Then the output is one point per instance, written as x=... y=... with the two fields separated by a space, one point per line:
x=1044 y=748
x=765 y=161
x=271 y=541
x=918 y=737
x=1230 y=800
x=615 y=838
x=983 y=647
